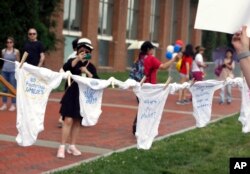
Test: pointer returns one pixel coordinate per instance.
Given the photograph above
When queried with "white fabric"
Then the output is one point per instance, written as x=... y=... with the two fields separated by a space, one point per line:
x=226 y=16
x=125 y=85
x=34 y=85
x=244 y=117
x=90 y=99
x=198 y=60
x=202 y=95
x=152 y=98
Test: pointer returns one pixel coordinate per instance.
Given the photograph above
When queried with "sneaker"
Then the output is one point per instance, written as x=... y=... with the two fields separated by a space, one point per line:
x=60 y=122
x=228 y=102
x=180 y=102
x=73 y=150
x=61 y=152
x=221 y=102
x=186 y=101
x=3 y=107
x=12 y=108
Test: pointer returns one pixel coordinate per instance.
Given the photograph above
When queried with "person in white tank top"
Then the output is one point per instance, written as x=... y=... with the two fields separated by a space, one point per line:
x=8 y=71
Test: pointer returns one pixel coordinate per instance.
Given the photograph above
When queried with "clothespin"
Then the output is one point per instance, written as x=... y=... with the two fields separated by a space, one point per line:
x=87 y=64
x=68 y=73
x=113 y=82
x=168 y=81
x=225 y=81
x=143 y=80
x=25 y=55
x=192 y=82
x=69 y=80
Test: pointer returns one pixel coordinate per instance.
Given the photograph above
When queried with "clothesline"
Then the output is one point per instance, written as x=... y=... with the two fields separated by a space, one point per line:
x=37 y=85
x=7 y=60
x=25 y=55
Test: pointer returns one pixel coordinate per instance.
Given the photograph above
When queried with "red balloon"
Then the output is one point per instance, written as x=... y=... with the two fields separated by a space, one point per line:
x=179 y=42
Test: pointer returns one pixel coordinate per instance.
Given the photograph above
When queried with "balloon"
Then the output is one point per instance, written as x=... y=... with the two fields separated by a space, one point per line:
x=169 y=55
x=170 y=48
x=179 y=42
x=177 y=48
x=174 y=54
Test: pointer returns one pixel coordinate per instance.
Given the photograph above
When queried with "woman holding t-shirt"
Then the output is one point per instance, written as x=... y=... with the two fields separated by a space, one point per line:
x=70 y=107
x=151 y=65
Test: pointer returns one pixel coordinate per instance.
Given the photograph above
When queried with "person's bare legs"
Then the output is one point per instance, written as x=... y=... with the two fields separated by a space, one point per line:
x=181 y=92
x=74 y=131
x=60 y=122
x=66 y=129
x=74 y=134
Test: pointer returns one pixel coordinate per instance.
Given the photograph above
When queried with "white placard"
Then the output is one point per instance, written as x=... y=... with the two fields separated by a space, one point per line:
x=226 y=16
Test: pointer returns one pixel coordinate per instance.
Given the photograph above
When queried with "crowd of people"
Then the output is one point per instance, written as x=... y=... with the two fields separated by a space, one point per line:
x=78 y=63
x=193 y=68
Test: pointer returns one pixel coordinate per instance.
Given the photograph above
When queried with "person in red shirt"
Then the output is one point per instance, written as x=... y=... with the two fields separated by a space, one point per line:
x=185 y=72
x=151 y=63
x=151 y=66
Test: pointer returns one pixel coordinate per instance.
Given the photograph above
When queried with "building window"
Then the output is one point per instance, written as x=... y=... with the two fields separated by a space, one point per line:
x=132 y=19
x=154 y=20
x=72 y=15
x=103 y=53
x=105 y=17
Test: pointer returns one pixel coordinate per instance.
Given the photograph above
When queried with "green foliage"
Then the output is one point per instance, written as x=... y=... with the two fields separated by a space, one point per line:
x=212 y=40
x=18 y=16
x=209 y=42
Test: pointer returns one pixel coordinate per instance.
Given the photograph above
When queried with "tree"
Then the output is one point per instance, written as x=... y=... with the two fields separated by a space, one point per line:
x=18 y=16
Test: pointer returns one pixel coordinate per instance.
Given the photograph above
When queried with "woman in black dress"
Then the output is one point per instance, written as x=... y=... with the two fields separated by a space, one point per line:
x=70 y=107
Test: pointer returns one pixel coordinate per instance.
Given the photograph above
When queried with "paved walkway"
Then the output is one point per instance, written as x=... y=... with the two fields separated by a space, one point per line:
x=112 y=133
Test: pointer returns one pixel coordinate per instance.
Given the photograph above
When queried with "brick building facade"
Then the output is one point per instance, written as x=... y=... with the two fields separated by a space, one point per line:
x=174 y=20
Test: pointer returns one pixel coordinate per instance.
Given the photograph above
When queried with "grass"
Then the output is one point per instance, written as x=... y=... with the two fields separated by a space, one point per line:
x=206 y=150
x=161 y=78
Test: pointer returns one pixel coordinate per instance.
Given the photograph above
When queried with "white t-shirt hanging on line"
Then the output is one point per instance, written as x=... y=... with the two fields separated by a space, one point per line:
x=152 y=98
x=202 y=95
x=34 y=85
x=244 y=117
x=90 y=99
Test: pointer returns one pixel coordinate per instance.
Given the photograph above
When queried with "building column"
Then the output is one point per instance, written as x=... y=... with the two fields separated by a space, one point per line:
x=183 y=7
x=54 y=59
x=89 y=25
x=196 y=38
x=118 y=49
x=164 y=29
x=144 y=19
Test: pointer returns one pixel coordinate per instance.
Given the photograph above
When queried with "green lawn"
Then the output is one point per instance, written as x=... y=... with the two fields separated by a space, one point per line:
x=161 y=77
x=199 y=151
